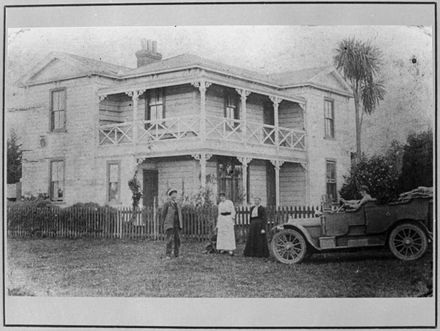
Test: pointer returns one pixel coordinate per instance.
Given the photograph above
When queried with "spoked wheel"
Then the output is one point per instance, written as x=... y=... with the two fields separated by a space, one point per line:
x=289 y=246
x=408 y=242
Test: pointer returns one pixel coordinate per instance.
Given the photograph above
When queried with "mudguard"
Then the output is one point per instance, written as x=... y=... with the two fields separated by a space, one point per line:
x=299 y=228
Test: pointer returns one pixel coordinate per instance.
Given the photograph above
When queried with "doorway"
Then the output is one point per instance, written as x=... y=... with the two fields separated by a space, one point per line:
x=151 y=187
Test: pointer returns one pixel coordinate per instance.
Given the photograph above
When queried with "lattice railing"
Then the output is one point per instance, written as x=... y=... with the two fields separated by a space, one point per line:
x=217 y=128
x=291 y=138
x=224 y=128
x=115 y=134
x=169 y=128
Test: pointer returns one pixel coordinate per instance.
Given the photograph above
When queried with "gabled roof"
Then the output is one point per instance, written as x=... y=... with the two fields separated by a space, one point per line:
x=298 y=76
x=84 y=65
x=190 y=60
x=98 y=66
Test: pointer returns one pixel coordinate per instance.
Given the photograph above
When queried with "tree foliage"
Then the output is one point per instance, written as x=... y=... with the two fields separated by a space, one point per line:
x=14 y=156
x=360 y=63
x=417 y=162
x=401 y=169
x=378 y=173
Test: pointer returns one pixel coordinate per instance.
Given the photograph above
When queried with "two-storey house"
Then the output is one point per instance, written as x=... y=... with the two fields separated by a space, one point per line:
x=184 y=122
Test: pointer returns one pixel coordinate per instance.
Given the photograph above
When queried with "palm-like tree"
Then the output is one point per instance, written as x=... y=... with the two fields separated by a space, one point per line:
x=360 y=64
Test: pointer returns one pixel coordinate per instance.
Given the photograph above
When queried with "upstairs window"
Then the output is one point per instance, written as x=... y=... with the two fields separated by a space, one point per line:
x=231 y=108
x=329 y=119
x=231 y=112
x=58 y=110
x=113 y=181
x=155 y=108
x=331 y=181
x=57 y=180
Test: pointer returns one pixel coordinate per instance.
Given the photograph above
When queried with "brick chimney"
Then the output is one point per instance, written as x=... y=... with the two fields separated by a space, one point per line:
x=148 y=54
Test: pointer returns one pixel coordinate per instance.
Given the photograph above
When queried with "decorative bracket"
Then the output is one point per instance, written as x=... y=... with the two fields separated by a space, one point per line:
x=202 y=157
x=135 y=93
x=243 y=93
x=244 y=160
x=277 y=163
x=275 y=100
x=304 y=165
x=303 y=106
x=202 y=85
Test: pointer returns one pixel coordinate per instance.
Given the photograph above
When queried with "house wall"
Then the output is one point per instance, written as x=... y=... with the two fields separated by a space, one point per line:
x=181 y=174
x=257 y=180
x=215 y=102
x=319 y=148
x=292 y=185
x=172 y=173
x=290 y=115
x=76 y=146
x=254 y=108
x=180 y=100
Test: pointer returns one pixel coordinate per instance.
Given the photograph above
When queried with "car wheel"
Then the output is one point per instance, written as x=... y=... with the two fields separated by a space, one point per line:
x=289 y=246
x=408 y=242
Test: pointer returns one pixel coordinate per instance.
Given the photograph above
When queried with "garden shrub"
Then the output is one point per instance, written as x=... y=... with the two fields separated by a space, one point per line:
x=417 y=162
x=81 y=218
x=378 y=173
x=88 y=218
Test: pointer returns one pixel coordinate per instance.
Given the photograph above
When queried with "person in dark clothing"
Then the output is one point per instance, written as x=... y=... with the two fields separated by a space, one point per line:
x=256 y=243
x=172 y=218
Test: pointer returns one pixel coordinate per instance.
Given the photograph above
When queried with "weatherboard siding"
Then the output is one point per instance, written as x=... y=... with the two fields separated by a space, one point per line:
x=292 y=185
x=320 y=148
x=86 y=171
x=257 y=180
x=76 y=145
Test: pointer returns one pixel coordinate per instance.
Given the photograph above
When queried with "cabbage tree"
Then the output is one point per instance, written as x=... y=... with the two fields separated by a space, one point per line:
x=360 y=64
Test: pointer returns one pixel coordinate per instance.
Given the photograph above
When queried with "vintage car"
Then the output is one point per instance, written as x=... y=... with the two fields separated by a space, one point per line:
x=404 y=226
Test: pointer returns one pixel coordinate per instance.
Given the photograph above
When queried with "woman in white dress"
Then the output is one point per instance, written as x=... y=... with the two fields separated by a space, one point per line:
x=225 y=225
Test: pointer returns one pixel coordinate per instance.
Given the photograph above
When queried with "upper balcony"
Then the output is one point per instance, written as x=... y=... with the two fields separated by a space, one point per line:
x=184 y=135
x=221 y=120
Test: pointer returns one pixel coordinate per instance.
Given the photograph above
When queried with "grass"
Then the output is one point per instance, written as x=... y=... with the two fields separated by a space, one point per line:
x=84 y=267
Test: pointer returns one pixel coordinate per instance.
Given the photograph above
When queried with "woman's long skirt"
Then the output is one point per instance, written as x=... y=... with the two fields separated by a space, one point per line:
x=256 y=244
x=225 y=233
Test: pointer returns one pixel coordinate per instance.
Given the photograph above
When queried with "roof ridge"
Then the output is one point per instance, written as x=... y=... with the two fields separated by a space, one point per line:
x=80 y=57
x=299 y=70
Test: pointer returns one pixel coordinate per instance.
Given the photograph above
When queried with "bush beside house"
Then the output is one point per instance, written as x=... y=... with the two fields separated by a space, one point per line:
x=401 y=169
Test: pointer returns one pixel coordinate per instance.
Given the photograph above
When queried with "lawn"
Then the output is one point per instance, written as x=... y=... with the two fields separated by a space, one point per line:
x=85 y=267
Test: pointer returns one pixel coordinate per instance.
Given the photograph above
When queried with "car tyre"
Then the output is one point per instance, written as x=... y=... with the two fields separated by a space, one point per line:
x=289 y=246
x=408 y=242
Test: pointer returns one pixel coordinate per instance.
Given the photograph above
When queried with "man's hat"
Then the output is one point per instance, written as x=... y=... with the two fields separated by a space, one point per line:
x=171 y=191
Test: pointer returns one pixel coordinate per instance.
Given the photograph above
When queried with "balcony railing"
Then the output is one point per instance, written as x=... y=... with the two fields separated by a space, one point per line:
x=168 y=128
x=217 y=128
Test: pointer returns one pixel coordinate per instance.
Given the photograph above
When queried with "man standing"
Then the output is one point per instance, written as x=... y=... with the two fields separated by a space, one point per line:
x=172 y=218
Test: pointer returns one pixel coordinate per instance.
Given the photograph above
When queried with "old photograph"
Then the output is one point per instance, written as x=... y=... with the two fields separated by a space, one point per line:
x=251 y=161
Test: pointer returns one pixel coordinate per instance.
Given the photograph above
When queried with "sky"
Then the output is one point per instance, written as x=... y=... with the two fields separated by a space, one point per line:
x=408 y=105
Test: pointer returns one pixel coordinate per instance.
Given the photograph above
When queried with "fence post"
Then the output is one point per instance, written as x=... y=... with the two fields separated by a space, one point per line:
x=119 y=221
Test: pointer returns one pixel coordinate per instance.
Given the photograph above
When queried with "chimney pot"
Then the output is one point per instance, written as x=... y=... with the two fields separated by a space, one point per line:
x=144 y=43
x=148 y=53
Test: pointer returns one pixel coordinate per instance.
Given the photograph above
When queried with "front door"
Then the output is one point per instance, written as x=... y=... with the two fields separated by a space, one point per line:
x=230 y=179
x=151 y=187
